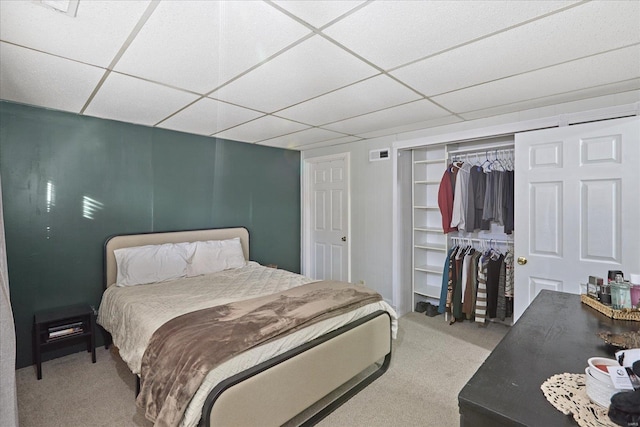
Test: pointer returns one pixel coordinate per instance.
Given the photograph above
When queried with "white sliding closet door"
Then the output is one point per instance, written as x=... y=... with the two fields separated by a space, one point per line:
x=577 y=201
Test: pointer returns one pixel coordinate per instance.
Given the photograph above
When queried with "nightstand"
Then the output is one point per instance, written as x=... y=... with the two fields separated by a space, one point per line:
x=63 y=326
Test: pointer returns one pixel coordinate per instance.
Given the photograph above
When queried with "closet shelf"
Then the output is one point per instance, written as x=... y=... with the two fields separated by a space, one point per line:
x=427 y=207
x=429 y=230
x=427 y=182
x=429 y=268
x=426 y=294
x=431 y=246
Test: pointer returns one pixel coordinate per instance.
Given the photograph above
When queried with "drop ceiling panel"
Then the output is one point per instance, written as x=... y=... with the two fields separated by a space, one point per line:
x=305 y=137
x=615 y=66
x=200 y=45
x=318 y=12
x=583 y=95
x=208 y=116
x=134 y=100
x=413 y=112
x=35 y=78
x=581 y=31
x=311 y=68
x=329 y=143
x=392 y=33
x=266 y=127
x=440 y=121
x=288 y=72
x=94 y=36
x=364 y=97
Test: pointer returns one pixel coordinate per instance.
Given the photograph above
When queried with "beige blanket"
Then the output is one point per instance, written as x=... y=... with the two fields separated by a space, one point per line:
x=183 y=350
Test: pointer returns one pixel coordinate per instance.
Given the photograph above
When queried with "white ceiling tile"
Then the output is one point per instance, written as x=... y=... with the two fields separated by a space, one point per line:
x=619 y=65
x=364 y=97
x=35 y=78
x=392 y=33
x=263 y=58
x=94 y=36
x=405 y=114
x=199 y=45
x=138 y=101
x=329 y=143
x=440 y=121
x=312 y=68
x=309 y=136
x=317 y=12
x=208 y=116
x=583 y=96
x=580 y=31
x=264 y=128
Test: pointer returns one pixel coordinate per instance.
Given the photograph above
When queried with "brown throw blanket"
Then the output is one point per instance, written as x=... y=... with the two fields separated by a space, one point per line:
x=183 y=351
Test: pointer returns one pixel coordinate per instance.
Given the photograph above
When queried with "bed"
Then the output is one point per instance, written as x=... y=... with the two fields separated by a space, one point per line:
x=269 y=383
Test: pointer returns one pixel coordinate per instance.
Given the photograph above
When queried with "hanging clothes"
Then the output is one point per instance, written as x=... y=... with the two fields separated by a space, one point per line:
x=445 y=197
x=445 y=282
x=456 y=302
x=509 y=193
x=489 y=198
x=460 y=196
x=451 y=273
x=501 y=307
x=481 y=297
x=469 y=298
x=498 y=203
x=477 y=185
x=493 y=276
x=508 y=283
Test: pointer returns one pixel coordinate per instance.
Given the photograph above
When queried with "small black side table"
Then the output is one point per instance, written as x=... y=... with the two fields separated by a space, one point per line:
x=63 y=326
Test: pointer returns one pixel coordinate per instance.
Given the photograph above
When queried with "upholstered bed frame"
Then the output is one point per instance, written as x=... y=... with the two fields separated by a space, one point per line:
x=277 y=390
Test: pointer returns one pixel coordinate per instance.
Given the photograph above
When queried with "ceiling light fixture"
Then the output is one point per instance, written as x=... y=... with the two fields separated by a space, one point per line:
x=68 y=7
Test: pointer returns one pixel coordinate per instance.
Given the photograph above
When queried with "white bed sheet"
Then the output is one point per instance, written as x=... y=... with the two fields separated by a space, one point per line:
x=132 y=314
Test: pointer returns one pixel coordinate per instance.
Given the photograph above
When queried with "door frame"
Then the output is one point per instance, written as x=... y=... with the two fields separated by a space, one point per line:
x=305 y=214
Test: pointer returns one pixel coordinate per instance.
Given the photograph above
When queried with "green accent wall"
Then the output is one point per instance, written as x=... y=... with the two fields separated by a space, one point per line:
x=70 y=181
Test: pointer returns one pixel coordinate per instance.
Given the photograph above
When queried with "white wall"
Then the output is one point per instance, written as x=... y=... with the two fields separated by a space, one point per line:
x=375 y=238
x=371 y=211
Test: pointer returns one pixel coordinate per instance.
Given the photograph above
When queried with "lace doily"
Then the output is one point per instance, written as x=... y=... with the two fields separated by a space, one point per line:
x=568 y=394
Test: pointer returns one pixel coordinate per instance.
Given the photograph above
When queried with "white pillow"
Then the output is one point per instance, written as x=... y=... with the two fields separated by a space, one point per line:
x=216 y=255
x=152 y=263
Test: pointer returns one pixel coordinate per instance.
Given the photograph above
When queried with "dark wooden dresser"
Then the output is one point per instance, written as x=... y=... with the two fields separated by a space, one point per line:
x=556 y=334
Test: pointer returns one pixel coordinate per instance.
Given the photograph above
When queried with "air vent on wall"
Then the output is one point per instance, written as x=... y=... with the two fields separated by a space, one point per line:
x=382 y=154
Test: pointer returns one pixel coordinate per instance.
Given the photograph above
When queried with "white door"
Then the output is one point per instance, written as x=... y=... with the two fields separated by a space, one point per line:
x=328 y=222
x=577 y=198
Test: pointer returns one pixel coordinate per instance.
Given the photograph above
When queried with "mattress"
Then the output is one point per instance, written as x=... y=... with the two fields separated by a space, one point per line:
x=132 y=314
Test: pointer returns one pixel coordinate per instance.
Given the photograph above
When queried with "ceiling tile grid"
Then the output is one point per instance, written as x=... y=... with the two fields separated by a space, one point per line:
x=94 y=36
x=208 y=116
x=263 y=128
x=199 y=45
x=36 y=78
x=303 y=74
x=134 y=100
x=310 y=69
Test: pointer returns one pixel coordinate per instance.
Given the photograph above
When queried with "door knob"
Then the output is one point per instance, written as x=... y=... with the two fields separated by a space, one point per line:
x=344 y=238
x=522 y=260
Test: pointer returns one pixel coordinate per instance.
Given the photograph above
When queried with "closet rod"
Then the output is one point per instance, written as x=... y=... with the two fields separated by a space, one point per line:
x=488 y=148
x=483 y=239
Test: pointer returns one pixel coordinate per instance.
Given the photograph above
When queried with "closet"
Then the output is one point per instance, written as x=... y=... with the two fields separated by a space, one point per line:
x=576 y=204
x=432 y=236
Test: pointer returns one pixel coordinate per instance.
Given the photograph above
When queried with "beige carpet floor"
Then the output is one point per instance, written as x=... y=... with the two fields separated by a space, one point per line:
x=432 y=361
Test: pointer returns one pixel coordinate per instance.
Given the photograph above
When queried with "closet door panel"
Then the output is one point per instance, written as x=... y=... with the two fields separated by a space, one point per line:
x=577 y=204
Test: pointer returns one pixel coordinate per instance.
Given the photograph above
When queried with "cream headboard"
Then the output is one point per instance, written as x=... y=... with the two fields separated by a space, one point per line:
x=130 y=240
